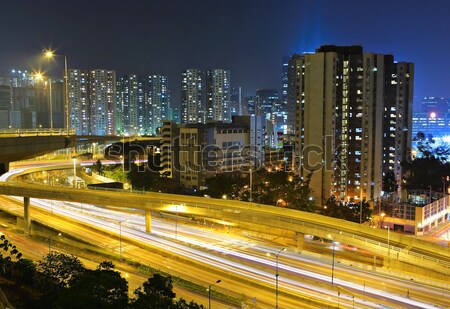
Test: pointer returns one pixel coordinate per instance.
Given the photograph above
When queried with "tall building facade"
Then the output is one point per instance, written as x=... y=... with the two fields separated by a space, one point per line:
x=352 y=121
x=92 y=101
x=236 y=101
x=218 y=94
x=103 y=102
x=79 y=101
x=158 y=103
x=192 y=96
x=194 y=152
x=25 y=101
x=127 y=99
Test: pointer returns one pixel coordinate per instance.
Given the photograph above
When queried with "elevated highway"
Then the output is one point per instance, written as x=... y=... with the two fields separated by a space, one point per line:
x=251 y=216
x=22 y=144
x=18 y=145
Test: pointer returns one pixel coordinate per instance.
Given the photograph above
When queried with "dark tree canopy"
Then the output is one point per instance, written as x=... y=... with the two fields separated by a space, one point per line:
x=62 y=269
x=102 y=288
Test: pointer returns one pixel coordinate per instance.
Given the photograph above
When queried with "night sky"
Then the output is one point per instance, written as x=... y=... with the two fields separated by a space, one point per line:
x=247 y=36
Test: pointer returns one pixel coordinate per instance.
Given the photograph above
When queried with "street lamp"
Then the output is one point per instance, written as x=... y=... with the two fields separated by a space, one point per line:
x=120 y=238
x=50 y=55
x=74 y=172
x=276 y=276
x=209 y=292
x=176 y=221
x=251 y=185
x=50 y=241
x=388 y=243
x=382 y=218
x=332 y=260
x=39 y=76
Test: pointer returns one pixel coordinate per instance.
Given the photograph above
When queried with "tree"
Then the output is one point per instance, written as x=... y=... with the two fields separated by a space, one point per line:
x=61 y=269
x=11 y=255
x=182 y=304
x=155 y=293
x=346 y=211
x=98 y=167
x=425 y=173
x=26 y=270
x=426 y=150
x=102 y=288
x=389 y=182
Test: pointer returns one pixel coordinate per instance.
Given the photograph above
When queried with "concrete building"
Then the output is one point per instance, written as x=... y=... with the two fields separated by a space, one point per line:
x=92 y=101
x=434 y=124
x=249 y=106
x=79 y=101
x=170 y=131
x=24 y=94
x=191 y=153
x=103 y=102
x=192 y=96
x=236 y=102
x=158 y=104
x=218 y=93
x=432 y=105
x=131 y=104
x=352 y=121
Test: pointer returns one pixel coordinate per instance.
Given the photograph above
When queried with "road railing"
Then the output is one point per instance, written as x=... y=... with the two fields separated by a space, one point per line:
x=36 y=132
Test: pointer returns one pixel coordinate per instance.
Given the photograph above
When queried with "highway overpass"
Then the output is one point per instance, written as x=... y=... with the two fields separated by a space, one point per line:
x=18 y=145
x=22 y=144
x=254 y=217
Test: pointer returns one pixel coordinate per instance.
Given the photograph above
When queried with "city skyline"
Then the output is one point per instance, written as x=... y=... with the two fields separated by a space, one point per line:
x=246 y=38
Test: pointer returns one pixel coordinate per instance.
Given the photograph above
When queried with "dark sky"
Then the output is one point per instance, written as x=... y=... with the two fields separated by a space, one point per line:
x=247 y=36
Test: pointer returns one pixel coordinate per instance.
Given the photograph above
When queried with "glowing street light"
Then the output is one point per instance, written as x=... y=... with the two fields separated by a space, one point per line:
x=388 y=243
x=120 y=238
x=39 y=76
x=276 y=275
x=209 y=292
x=50 y=241
x=50 y=54
x=74 y=172
x=332 y=261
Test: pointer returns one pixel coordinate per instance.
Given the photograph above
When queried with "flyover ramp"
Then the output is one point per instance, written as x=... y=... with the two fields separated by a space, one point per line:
x=402 y=248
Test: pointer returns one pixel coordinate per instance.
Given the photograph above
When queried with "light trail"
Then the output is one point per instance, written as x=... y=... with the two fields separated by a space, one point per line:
x=106 y=219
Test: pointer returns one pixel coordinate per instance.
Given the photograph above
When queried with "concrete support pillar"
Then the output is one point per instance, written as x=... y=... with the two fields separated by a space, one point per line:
x=26 y=215
x=300 y=241
x=4 y=167
x=148 y=221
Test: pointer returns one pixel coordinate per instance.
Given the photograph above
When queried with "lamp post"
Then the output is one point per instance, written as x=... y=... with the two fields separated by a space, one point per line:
x=39 y=76
x=120 y=238
x=50 y=103
x=176 y=221
x=209 y=292
x=74 y=172
x=388 y=243
x=276 y=277
x=251 y=185
x=382 y=215
x=50 y=241
x=332 y=260
x=50 y=55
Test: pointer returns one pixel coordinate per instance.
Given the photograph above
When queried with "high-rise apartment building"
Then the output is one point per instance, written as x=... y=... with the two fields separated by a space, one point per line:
x=92 y=101
x=131 y=103
x=103 y=102
x=25 y=101
x=194 y=152
x=192 y=96
x=236 y=101
x=218 y=95
x=158 y=104
x=352 y=121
